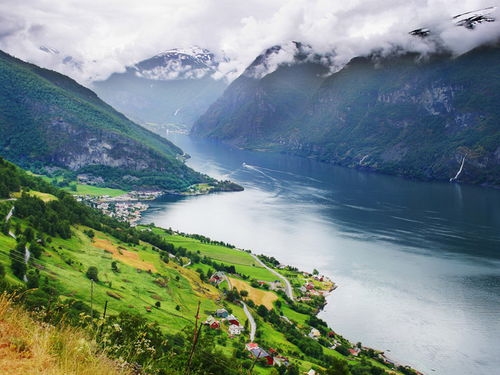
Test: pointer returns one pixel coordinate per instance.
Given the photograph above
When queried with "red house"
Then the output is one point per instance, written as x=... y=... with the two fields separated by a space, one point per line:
x=260 y=353
x=233 y=320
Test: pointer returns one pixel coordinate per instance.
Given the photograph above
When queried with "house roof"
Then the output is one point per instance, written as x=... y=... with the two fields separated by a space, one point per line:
x=353 y=351
x=259 y=353
x=210 y=319
x=315 y=332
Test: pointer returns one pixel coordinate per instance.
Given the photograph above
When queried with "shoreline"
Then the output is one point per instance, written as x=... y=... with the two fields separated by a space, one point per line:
x=379 y=355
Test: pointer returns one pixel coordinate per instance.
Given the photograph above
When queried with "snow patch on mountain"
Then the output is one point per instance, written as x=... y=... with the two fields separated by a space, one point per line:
x=187 y=63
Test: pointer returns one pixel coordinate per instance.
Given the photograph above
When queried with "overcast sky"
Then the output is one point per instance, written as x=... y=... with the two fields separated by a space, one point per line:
x=104 y=36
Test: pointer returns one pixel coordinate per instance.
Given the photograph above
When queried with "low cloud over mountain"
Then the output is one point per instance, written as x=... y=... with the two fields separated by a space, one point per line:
x=95 y=38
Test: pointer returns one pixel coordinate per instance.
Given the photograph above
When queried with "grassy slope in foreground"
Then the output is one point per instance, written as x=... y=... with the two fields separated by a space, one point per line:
x=136 y=276
x=29 y=347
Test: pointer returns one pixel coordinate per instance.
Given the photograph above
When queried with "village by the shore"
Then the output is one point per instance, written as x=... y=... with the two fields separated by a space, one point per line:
x=127 y=207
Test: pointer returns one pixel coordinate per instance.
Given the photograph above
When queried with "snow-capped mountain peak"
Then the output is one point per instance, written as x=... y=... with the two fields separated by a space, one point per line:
x=177 y=63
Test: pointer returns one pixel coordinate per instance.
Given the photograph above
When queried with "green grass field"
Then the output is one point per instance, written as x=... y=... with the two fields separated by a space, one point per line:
x=83 y=189
x=96 y=191
x=244 y=262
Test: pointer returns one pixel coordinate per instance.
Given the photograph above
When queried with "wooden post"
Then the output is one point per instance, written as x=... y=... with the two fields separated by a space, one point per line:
x=103 y=317
x=195 y=339
x=92 y=299
x=105 y=308
x=253 y=364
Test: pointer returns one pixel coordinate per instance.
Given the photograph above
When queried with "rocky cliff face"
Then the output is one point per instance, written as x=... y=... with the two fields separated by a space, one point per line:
x=79 y=147
x=401 y=115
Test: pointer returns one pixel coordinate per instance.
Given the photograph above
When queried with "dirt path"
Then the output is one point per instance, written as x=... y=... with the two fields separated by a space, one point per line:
x=288 y=286
x=251 y=320
x=9 y=215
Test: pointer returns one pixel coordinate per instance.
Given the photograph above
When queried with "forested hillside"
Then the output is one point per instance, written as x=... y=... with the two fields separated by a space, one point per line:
x=157 y=301
x=419 y=117
x=49 y=121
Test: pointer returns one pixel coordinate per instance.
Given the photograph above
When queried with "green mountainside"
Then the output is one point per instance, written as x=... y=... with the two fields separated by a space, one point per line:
x=404 y=115
x=49 y=121
x=140 y=291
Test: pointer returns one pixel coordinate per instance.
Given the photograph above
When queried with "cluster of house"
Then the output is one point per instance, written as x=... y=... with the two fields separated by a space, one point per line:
x=309 y=290
x=316 y=334
x=221 y=315
x=271 y=356
x=125 y=211
x=126 y=207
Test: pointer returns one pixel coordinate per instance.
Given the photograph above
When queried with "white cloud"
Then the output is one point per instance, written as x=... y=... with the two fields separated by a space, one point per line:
x=105 y=36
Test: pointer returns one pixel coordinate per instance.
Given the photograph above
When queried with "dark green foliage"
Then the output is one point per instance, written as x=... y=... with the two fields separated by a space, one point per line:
x=33 y=277
x=338 y=367
x=90 y=233
x=17 y=260
x=2 y=271
x=342 y=349
x=92 y=273
x=232 y=295
x=262 y=311
x=35 y=249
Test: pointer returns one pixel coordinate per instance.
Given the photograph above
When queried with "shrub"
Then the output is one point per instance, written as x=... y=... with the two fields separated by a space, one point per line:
x=92 y=273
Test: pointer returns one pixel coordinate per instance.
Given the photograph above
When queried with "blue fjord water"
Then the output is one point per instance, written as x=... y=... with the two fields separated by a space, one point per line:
x=417 y=264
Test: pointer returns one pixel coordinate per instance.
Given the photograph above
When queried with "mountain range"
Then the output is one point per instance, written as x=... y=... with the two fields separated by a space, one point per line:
x=171 y=88
x=427 y=117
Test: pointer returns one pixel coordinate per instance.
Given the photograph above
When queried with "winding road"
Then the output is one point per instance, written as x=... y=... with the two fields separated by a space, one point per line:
x=288 y=286
x=9 y=215
x=229 y=286
x=251 y=320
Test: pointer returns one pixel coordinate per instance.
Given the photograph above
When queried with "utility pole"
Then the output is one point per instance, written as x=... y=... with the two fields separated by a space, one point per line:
x=92 y=299
x=196 y=334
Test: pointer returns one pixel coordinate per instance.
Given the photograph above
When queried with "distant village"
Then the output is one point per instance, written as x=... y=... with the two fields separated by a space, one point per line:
x=127 y=207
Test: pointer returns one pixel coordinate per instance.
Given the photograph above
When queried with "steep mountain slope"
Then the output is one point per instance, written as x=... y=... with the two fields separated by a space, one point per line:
x=420 y=118
x=252 y=108
x=48 y=120
x=173 y=87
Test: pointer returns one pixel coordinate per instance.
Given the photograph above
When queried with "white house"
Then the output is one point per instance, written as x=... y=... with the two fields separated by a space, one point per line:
x=314 y=333
x=235 y=330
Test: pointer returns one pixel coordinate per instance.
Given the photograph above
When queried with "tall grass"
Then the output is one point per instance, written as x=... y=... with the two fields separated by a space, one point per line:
x=28 y=346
